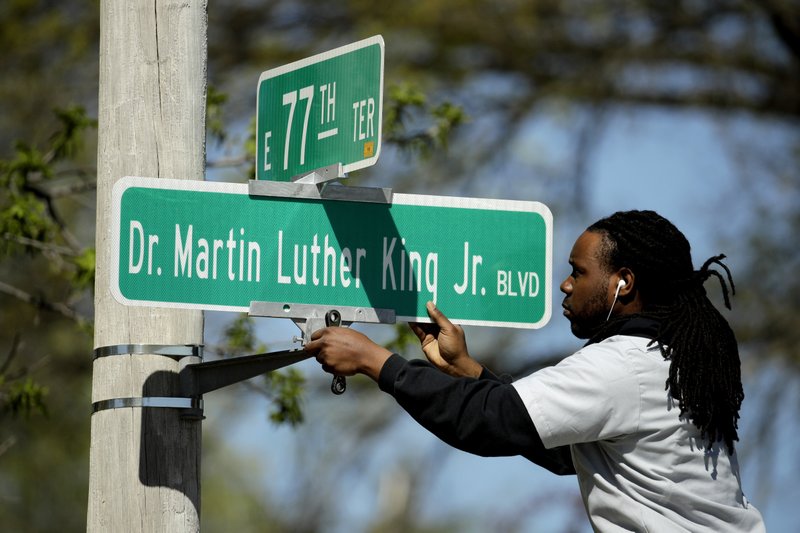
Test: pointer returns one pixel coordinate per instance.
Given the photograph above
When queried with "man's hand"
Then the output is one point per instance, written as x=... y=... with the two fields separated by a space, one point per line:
x=444 y=345
x=345 y=352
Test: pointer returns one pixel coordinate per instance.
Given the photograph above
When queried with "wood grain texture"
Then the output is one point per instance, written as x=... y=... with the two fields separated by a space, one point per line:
x=145 y=462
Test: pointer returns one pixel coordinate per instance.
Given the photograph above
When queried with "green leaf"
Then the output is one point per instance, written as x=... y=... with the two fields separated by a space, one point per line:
x=250 y=148
x=240 y=337
x=23 y=215
x=214 y=102
x=400 y=100
x=287 y=388
x=68 y=139
x=403 y=338
x=83 y=277
x=26 y=397
x=27 y=162
x=448 y=117
x=407 y=105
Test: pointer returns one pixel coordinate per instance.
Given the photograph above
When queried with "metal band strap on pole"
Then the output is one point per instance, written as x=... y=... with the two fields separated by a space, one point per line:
x=176 y=352
x=165 y=402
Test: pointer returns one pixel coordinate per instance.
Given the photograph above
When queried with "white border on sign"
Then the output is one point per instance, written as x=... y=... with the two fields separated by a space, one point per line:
x=116 y=213
x=494 y=205
x=297 y=65
x=398 y=198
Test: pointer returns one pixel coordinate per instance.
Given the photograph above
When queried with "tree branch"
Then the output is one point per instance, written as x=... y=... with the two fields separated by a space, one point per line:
x=40 y=303
x=44 y=246
x=11 y=354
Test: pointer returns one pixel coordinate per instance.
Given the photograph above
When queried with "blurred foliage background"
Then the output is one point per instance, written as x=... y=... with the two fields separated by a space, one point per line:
x=490 y=98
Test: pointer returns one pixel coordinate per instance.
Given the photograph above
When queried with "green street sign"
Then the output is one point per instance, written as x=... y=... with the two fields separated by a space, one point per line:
x=207 y=245
x=320 y=111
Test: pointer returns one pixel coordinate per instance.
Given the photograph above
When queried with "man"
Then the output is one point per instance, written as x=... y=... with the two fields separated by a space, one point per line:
x=645 y=413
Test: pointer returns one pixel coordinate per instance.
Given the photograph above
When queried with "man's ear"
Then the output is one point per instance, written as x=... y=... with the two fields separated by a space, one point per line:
x=627 y=281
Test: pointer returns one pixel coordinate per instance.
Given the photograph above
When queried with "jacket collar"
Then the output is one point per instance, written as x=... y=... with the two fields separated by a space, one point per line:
x=635 y=326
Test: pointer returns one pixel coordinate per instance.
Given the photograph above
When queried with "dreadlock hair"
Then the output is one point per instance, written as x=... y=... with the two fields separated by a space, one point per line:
x=704 y=373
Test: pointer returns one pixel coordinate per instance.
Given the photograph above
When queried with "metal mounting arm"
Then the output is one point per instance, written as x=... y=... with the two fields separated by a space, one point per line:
x=200 y=378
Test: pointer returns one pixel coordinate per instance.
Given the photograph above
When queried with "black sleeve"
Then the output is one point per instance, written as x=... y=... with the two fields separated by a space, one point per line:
x=483 y=416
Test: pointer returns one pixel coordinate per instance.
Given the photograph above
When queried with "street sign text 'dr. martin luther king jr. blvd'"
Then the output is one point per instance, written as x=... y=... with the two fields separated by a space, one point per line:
x=206 y=245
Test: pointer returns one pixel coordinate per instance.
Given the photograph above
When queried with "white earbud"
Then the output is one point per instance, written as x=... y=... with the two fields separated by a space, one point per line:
x=621 y=283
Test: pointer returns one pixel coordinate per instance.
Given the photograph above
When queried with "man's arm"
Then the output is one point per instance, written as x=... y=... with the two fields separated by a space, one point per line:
x=481 y=416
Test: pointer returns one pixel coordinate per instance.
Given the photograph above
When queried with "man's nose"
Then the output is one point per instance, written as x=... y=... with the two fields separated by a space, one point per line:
x=566 y=286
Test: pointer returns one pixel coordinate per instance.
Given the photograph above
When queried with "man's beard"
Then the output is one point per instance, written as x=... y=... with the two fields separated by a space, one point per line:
x=591 y=318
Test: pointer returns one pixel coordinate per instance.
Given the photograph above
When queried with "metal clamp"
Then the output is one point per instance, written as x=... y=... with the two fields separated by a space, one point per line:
x=176 y=352
x=165 y=402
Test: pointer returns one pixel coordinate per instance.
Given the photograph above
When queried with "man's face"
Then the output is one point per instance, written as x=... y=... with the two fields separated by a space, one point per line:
x=587 y=299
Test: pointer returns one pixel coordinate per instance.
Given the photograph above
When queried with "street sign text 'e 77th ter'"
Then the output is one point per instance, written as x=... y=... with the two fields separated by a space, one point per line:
x=320 y=111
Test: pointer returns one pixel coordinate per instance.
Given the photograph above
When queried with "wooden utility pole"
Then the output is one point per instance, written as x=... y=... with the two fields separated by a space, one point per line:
x=145 y=461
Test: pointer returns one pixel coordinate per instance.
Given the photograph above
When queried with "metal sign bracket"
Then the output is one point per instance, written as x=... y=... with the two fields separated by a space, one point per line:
x=310 y=318
x=200 y=378
x=320 y=184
